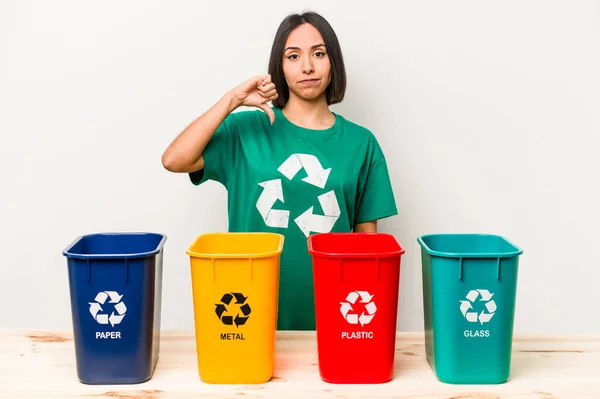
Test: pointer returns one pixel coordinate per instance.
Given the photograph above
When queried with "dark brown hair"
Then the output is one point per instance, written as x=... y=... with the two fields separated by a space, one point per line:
x=337 y=87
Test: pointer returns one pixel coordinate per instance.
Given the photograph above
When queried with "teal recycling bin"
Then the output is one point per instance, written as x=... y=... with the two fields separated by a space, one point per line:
x=469 y=290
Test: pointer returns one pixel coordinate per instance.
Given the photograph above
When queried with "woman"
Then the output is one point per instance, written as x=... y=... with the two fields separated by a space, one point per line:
x=296 y=168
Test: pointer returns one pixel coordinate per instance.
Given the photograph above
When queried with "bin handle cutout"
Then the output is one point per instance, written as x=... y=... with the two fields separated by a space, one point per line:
x=250 y=266
x=377 y=267
x=460 y=270
x=498 y=269
x=213 y=260
x=89 y=271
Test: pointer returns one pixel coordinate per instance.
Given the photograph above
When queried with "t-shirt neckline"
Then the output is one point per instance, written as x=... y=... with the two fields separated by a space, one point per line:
x=304 y=131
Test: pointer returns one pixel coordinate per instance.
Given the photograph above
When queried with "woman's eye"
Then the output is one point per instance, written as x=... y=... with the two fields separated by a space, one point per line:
x=319 y=54
x=293 y=56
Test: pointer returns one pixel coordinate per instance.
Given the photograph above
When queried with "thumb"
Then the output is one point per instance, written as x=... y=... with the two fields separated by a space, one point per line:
x=269 y=112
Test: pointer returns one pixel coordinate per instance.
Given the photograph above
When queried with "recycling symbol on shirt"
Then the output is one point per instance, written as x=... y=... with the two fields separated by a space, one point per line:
x=104 y=318
x=308 y=221
x=466 y=307
x=227 y=315
x=355 y=318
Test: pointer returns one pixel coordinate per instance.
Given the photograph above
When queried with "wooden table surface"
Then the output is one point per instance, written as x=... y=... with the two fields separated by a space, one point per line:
x=41 y=364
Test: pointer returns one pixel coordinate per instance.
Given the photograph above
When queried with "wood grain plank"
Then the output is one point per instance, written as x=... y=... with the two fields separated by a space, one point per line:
x=41 y=364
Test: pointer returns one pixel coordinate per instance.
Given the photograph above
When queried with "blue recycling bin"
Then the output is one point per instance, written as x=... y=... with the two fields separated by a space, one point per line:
x=115 y=282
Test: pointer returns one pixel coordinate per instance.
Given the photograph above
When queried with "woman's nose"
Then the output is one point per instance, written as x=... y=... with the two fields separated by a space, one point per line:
x=307 y=65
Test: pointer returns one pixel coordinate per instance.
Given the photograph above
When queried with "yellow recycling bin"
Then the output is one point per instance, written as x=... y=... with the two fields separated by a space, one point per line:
x=235 y=284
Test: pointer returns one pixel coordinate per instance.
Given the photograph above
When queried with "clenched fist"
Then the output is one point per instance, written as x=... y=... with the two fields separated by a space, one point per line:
x=257 y=92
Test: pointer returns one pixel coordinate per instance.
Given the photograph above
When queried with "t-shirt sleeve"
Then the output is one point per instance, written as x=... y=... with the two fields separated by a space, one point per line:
x=219 y=154
x=375 y=197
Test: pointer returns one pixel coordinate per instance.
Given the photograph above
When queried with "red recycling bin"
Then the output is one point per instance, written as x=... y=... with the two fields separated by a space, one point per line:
x=356 y=280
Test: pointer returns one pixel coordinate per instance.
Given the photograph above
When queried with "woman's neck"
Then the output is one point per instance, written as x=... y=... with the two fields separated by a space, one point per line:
x=309 y=114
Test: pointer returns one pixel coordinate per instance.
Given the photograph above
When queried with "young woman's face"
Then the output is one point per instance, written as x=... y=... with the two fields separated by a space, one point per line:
x=306 y=64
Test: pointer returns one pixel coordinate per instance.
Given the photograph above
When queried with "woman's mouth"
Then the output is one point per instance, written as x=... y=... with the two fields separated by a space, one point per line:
x=309 y=82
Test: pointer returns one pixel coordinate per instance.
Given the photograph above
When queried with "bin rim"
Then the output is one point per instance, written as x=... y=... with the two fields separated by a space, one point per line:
x=516 y=252
x=213 y=255
x=387 y=254
x=67 y=251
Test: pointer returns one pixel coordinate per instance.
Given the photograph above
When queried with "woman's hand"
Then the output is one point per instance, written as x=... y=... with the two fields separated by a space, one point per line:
x=257 y=92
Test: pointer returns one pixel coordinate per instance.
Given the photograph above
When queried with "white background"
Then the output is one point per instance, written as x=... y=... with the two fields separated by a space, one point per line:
x=488 y=113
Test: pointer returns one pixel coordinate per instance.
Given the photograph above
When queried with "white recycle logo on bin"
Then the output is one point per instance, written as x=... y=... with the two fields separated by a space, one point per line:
x=467 y=306
x=104 y=318
x=355 y=318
